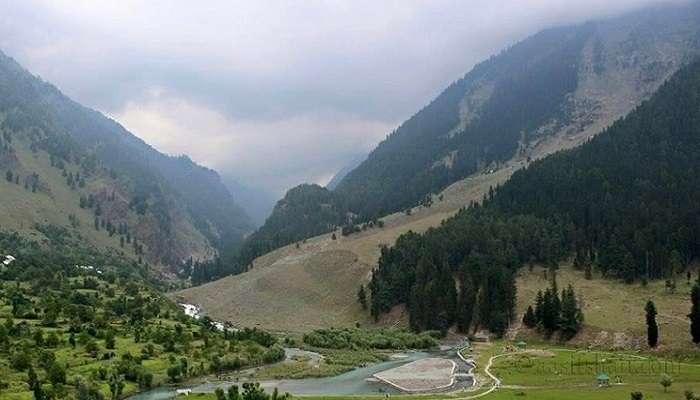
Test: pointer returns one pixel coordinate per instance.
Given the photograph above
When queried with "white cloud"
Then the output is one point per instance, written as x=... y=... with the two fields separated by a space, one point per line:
x=268 y=154
x=273 y=92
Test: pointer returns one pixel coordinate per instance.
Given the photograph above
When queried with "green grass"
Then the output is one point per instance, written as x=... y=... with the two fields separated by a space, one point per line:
x=614 y=311
x=572 y=367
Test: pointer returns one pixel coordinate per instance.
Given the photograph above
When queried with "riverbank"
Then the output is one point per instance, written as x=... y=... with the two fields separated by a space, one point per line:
x=359 y=381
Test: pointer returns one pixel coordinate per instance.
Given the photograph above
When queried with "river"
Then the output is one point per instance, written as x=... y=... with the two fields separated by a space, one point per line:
x=356 y=382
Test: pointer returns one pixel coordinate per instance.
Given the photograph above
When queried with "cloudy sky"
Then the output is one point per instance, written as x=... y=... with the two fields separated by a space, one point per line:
x=273 y=93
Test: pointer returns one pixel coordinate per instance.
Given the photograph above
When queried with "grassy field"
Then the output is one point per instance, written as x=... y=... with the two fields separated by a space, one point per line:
x=614 y=311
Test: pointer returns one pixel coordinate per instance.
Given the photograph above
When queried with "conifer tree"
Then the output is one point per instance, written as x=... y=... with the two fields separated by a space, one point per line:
x=362 y=297
x=571 y=315
x=652 y=327
x=529 y=318
x=695 y=313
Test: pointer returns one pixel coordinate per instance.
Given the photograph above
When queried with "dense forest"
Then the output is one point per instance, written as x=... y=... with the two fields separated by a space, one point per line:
x=623 y=203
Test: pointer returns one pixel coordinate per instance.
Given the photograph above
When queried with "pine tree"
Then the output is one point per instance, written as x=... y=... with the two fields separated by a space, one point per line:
x=529 y=318
x=695 y=313
x=652 y=327
x=551 y=311
x=571 y=316
x=465 y=304
x=539 y=307
x=362 y=297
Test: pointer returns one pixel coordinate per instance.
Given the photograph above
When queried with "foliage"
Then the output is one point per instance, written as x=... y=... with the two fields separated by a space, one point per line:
x=652 y=327
x=695 y=313
x=368 y=339
x=104 y=331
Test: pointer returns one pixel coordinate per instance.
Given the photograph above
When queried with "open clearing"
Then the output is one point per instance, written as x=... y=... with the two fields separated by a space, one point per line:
x=614 y=311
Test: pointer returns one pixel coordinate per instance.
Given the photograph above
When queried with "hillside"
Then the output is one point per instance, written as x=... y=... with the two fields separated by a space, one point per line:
x=305 y=211
x=553 y=90
x=315 y=285
x=624 y=83
x=621 y=204
x=67 y=166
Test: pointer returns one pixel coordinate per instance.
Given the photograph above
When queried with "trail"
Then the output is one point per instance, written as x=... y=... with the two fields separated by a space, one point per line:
x=487 y=370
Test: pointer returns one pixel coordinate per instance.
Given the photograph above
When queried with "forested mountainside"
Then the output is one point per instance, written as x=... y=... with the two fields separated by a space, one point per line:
x=623 y=203
x=66 y=166
x=543 y=86
x=551 y=91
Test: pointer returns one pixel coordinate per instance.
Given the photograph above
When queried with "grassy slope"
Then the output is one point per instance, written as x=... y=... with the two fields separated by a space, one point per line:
x=614 y=311
x=21 y=209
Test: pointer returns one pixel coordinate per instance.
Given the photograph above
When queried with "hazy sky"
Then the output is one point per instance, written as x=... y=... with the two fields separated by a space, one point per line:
x=274 y=93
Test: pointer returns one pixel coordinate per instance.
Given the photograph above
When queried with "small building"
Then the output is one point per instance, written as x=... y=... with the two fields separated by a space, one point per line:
x=480 y=337
x=603 y=379
x=522 y=345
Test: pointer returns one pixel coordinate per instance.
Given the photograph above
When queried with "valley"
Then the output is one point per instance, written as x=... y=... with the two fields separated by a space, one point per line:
x=533 y=231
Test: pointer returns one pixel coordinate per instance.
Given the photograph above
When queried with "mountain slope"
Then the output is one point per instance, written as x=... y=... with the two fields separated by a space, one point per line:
x=623 y=204
x=305 y=211
x=557 y=81
x=343 y=172
x=633 y=71
x=75 y=168
x=553 y=90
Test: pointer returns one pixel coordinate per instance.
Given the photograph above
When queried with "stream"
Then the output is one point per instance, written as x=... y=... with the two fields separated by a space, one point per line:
x=356 y=382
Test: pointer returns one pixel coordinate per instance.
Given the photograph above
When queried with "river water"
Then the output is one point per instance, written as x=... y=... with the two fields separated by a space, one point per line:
x=356 y=382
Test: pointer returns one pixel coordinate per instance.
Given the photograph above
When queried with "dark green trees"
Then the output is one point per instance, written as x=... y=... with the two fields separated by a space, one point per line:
x=433 y=297
x=695 y=313
x=552 y=313
x=571 y=315
x=362 y=297
x=652 y=327
x=529 y=319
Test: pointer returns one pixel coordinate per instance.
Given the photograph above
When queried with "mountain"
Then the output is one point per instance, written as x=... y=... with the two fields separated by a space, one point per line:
x=305 y=211
x=256 y=203
x=622 y=204
x=71 y=167
x=553 y=84
x=554 y=90
x=642 y=51
x=340 y=175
